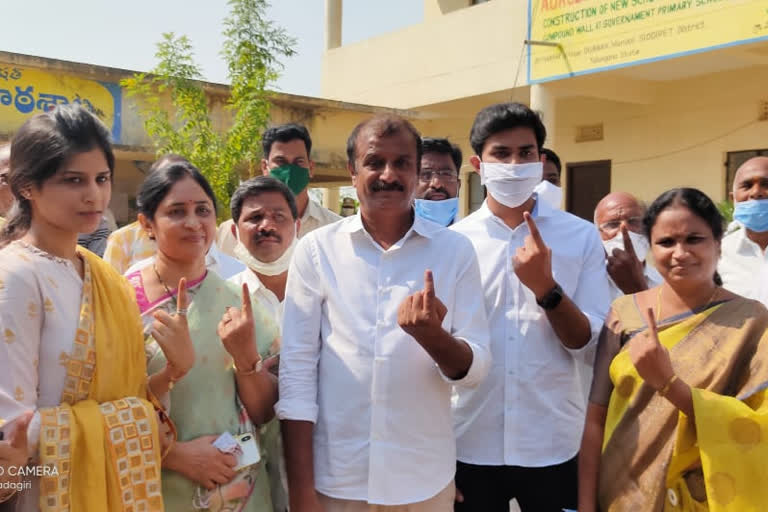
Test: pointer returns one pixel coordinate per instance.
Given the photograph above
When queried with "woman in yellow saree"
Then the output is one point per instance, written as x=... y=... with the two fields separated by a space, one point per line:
x=72 y=349
x=677 y=419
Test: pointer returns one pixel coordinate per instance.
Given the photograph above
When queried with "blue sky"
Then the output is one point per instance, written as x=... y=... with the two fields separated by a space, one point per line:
x=123 y=34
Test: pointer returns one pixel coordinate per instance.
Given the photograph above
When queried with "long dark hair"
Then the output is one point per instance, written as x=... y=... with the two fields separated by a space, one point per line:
x=697 y=202
x=41 y=146
x=162 y=176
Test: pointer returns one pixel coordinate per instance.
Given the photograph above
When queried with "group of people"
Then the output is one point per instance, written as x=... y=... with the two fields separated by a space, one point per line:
x=398 y=359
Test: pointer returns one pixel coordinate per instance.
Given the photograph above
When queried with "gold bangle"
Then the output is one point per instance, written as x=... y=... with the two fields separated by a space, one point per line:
x=665 y=389
x=256 y=368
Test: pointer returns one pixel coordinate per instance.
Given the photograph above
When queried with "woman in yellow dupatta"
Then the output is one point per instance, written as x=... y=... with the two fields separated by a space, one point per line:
x=677 y=419
x=73 y=347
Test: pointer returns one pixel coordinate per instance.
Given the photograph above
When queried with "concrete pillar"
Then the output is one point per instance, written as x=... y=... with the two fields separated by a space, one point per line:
x=543 y=102
x=333 y=11
x=331 y=199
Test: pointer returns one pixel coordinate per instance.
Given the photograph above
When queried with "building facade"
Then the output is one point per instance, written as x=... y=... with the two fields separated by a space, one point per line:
x=637 y=95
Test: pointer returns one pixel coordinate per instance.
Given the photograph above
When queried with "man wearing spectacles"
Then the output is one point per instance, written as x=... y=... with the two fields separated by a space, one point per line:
x=438 y=187
x=619 y=219
x=6 y=196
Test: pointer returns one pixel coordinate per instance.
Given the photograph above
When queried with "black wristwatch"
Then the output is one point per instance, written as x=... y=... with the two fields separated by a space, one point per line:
x=551 y=299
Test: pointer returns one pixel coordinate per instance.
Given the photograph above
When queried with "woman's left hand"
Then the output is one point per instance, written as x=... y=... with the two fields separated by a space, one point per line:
x=237 y=333
x=650 y=357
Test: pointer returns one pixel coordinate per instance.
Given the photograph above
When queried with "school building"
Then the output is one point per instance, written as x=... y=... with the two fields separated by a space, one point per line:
x=636 y=95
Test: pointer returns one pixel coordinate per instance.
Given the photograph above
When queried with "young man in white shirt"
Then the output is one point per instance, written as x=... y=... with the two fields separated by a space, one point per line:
x=546 y=293
x=287 y=149
x=378 y=326
x=619 y=220
x=743 y=263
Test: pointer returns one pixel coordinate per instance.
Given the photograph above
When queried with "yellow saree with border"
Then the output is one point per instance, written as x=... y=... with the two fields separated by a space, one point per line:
x=101 y=444
x=654 y=457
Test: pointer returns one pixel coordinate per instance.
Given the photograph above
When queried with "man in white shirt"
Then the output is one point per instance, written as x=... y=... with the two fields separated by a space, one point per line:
x=619 y=220
x=265 y=226
x=743 y=263
x=286 y=157
x=546 y=293
x=378 y=326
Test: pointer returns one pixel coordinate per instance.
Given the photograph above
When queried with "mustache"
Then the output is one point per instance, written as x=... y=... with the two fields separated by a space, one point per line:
x=380 y=186
x=263 y=235
x=439 y=190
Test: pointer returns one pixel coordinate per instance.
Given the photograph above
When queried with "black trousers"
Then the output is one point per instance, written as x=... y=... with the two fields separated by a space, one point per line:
x=490 y=488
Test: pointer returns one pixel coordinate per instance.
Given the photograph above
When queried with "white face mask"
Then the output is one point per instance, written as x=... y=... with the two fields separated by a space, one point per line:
x=550 y=194
x=511 y=184
x=272 y=268
x=639 y=242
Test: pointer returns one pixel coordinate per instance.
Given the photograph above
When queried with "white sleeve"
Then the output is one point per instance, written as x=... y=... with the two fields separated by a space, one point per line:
x=470 y=322
x=301 y=342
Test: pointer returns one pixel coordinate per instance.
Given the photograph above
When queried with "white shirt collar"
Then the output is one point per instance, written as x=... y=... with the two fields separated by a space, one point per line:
x=423 y=227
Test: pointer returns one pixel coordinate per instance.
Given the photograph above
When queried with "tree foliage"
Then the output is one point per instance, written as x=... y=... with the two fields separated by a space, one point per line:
x=176 y=110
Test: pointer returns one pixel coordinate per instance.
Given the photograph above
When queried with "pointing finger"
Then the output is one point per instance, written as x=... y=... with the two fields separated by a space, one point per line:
x=183 y=299
x=429 y=289
x=651 y=321
x=534 y=229
x=628 y=247
x=247 y=309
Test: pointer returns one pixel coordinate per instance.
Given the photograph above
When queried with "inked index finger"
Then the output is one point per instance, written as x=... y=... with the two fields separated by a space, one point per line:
x=628 y=247
x=246 y=300
x=429 y=289
x=534 y=229
x=182 y=299
x=650 y=319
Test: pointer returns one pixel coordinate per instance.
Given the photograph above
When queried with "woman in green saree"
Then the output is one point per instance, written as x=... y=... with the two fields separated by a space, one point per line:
x=227 y=390
x=677 y=418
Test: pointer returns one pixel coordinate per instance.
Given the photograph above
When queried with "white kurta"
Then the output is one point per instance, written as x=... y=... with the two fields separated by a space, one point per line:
x=39 y=311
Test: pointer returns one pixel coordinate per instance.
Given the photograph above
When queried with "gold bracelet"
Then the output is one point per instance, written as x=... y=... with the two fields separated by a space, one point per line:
x=256 y=368
x=665 y=389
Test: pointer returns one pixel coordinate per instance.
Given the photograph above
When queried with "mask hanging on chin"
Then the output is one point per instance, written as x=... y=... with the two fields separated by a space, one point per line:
x=752 y=214
x=550 y=194
x=442 y=212
x=295 y=177
x=639 y=243
x=272 y=268
x=511 y=184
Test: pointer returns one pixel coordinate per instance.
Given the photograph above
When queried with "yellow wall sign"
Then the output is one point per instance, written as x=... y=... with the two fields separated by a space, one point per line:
x=595 y=35
x=25 y=92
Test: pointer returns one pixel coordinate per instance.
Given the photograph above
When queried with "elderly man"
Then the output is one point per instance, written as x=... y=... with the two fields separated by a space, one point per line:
x=619 y=220
x=378 y=327
x=287 y=149
x=6 y=196
x=744 y=257
x=438 y=190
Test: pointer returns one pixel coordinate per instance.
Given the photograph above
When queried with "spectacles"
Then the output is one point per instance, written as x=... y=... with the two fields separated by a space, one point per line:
x=633 y=223
x=444 y=175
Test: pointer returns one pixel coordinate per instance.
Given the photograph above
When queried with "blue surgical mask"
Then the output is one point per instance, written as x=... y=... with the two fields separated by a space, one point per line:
x=443 y=212
x=753 y=214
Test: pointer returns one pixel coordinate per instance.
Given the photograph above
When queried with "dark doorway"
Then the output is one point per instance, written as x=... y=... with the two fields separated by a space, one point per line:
x=588 y=183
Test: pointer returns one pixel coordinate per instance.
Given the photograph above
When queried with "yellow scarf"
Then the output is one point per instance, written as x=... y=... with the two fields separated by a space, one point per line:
x=103 y=439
